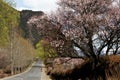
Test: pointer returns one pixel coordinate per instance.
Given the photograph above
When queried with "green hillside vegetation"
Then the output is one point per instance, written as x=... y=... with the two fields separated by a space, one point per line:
x=44 y=50
x=9 y=18
x=16 y=53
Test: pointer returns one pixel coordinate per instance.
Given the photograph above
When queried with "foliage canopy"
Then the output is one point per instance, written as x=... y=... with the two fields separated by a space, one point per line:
x=9 y=18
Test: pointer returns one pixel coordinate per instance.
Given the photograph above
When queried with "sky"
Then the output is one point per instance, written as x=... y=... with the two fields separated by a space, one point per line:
x=36 y=5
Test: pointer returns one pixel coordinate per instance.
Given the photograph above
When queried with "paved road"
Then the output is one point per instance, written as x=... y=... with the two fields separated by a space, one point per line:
x=33 y=74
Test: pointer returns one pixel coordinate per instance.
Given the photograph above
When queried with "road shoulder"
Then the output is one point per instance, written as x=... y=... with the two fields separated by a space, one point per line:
x=44 y=76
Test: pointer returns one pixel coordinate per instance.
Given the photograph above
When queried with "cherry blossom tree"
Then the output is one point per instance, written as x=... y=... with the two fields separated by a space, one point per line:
x=90 y=25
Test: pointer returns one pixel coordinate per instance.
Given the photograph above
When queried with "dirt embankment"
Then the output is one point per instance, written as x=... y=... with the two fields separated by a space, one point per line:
x=74 y=69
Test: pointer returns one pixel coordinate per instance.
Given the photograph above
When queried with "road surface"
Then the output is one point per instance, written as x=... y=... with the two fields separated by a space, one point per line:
x=33 y=74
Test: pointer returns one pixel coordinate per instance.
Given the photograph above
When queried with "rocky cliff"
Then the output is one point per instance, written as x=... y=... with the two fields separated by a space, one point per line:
x=30 y=32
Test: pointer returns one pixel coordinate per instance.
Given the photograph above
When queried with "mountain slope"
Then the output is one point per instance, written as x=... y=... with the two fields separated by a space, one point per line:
x=30 y=32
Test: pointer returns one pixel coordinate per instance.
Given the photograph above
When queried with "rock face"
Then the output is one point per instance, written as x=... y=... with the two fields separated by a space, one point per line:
x=30 y=32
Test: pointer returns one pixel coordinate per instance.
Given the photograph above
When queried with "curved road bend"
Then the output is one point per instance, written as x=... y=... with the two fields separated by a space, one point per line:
x=33 y=74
